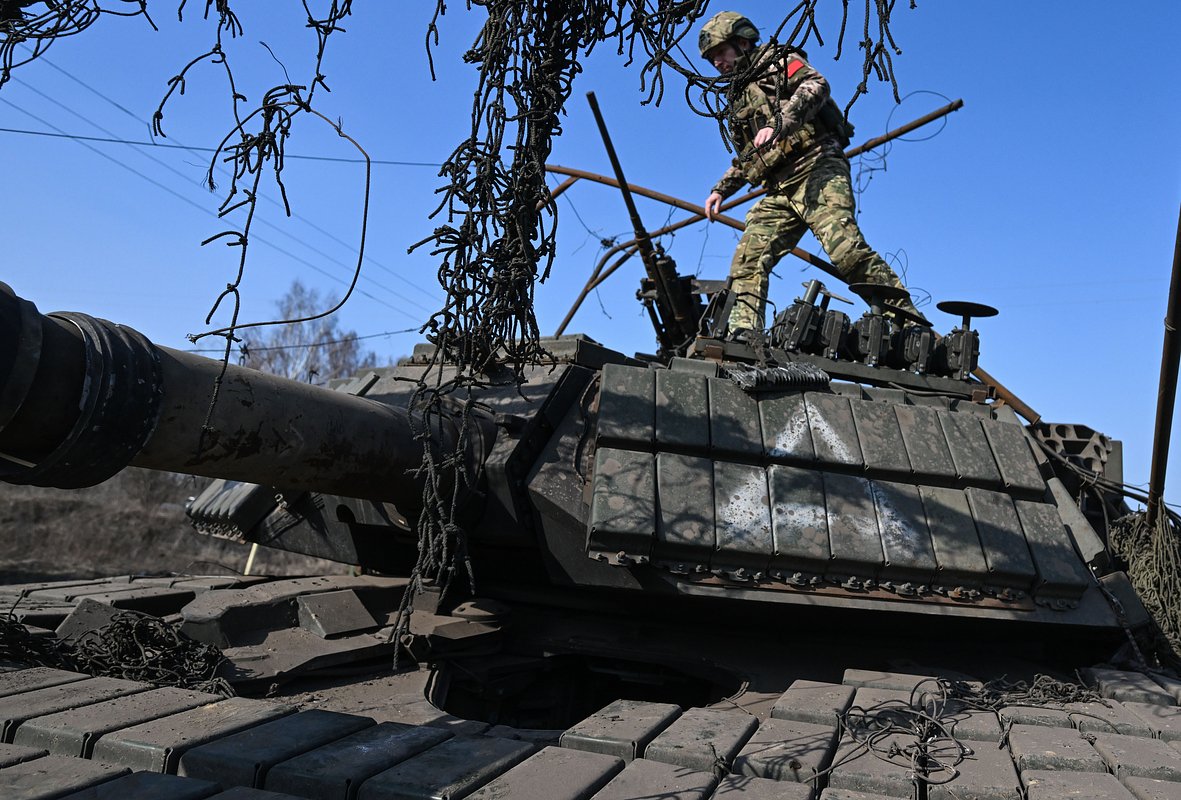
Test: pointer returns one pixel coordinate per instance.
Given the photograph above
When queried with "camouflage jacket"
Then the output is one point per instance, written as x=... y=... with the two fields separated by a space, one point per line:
x=789 y=92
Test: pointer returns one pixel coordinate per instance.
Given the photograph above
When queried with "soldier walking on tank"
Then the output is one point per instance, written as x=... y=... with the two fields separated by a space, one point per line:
x=790 y=137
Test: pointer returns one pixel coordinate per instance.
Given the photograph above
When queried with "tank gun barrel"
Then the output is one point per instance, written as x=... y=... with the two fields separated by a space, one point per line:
x=81 y=398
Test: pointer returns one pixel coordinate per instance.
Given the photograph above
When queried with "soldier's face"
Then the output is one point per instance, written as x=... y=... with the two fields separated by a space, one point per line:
x=723 y=57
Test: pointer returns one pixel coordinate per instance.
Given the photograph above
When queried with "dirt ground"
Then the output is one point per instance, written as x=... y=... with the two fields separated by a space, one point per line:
x=133 y=523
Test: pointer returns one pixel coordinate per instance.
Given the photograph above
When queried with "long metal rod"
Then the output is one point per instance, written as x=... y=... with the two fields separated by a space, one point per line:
x=667 y=298
x=915 y=124
x=599 y=274
x=697 y=212
x=803 y=255
x=651 y=194
x=878 y=141
x=643 y=240
x=1166 y=395
x=1003 y=392
x=629 y=248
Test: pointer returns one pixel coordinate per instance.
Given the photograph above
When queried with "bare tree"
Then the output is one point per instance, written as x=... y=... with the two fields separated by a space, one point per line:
x=313 y=350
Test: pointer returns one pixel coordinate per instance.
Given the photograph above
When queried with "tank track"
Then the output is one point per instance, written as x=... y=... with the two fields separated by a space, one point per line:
x=873 y=735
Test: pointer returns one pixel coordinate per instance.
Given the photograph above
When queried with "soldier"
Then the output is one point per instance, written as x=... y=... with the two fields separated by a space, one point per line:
x=789 y=136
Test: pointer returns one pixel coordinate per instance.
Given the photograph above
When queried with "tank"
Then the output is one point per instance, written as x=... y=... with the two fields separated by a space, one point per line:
x=730 y=567
x=859 y=470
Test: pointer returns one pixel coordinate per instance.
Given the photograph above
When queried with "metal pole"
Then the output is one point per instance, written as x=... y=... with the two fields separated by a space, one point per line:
x=644 y=241
x=595 y=278
x=1166 y=394
x=902 y=130
x=954 y=105
x=668 y=300
x=651 y=194
x=1013 y=401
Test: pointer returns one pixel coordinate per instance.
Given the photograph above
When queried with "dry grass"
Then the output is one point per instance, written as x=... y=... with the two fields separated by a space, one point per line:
x=134 y=523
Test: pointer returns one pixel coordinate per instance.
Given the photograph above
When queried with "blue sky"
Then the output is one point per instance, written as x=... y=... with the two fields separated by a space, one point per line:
x=1053 y=195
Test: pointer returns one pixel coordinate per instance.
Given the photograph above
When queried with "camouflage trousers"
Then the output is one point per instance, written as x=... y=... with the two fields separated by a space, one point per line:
x=820 y=200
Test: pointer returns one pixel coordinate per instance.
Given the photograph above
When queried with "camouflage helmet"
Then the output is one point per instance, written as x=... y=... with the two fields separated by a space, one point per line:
x=724 y=26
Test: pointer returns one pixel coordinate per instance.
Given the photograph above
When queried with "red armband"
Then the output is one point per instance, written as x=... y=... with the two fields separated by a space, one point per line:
x=793 y=67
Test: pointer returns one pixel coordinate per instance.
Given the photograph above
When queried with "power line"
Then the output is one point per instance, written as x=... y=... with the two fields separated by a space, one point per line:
x=203 y=209
x=581 y=221
x=369 y=259
x=82 y=83
x=267 y=223
x=112 y=140
x=134 y=116
x=345 y=340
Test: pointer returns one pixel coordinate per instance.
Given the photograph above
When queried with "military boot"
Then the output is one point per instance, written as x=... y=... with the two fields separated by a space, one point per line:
x=909 y=312
x=878 y=272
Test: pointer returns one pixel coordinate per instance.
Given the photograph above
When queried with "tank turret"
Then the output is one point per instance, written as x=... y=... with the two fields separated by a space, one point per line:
x=793 y=470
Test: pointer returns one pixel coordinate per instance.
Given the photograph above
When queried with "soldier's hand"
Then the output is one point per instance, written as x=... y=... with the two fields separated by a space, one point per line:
x=713 y=205
x=764 y=137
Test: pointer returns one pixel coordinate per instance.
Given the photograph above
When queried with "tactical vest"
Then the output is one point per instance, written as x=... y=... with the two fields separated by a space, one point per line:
x=753 y=110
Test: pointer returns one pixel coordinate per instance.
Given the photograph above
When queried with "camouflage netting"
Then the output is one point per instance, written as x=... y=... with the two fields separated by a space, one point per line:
x=921 y=730
x=1150 y=554
x=131 y=646
x=29 y=27
x=1153 y=556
